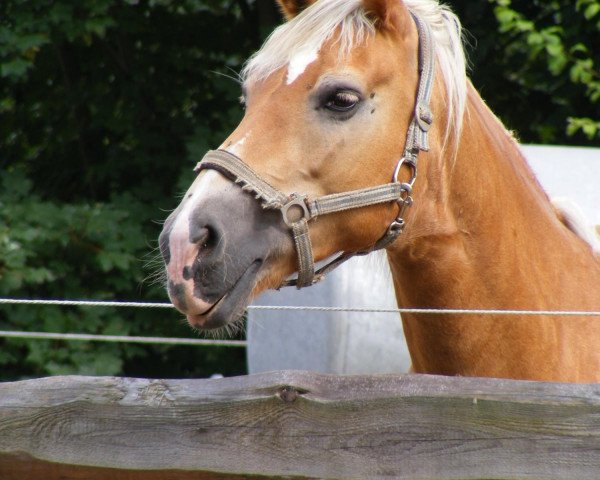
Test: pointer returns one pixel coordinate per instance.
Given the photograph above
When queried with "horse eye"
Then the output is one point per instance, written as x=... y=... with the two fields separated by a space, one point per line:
x=342 y=101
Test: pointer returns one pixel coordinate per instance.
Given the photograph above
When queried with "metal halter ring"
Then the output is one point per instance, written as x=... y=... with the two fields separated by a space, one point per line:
x=412 y=164
x=296 y=209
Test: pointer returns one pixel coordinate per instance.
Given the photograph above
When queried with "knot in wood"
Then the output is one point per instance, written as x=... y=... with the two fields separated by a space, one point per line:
x=288 y=394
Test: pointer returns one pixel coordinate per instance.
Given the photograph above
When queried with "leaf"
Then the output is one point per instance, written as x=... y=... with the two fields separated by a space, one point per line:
x=581 y=71
x=15 y=68
x=38 y=275
x=591 y=10
x=579 y=48
x=98 y=26
x=505 y=16
x=23 y=43
x=587 y=126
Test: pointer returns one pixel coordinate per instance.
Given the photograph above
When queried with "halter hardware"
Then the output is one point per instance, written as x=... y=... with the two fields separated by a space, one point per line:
x=296 y=204
x=297 y=210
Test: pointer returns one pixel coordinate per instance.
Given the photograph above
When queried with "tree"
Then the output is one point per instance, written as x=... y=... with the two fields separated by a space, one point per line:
x=106 y=105
x=538 y=65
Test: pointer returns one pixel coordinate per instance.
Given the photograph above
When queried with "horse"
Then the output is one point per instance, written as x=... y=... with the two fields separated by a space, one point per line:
x=362 y=132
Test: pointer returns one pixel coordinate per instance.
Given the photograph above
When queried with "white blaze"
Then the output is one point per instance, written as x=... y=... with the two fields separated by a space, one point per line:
x=298 y=64
x=237 y=146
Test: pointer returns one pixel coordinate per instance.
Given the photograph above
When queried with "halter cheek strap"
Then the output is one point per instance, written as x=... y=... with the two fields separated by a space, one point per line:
x=297 y=210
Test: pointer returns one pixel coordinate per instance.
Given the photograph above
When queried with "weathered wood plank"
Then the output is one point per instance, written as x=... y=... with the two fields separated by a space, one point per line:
x=300 y=424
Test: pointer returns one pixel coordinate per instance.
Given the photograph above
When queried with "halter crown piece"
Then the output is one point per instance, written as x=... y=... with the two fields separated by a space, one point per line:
x=297 y=210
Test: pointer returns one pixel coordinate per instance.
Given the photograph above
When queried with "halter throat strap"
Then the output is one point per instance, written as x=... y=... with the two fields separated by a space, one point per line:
x=297 y=210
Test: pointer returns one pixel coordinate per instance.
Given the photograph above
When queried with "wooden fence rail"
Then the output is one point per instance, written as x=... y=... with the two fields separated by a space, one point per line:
x=298 y=425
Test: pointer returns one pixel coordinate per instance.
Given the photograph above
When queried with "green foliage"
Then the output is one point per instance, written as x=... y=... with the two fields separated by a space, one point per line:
x=550 y=50
x=56 y=251
x=589 y=127
x=46 y=243
x=106 y=106
x=64 y=250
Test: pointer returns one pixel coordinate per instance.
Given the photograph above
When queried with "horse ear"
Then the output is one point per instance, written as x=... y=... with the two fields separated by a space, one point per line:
x=291 y=8
x=388 y=14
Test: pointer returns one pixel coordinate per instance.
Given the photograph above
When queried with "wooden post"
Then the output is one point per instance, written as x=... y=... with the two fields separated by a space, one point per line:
x=298 y=425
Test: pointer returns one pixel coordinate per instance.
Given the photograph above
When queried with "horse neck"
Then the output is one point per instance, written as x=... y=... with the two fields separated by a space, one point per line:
x=483 y=234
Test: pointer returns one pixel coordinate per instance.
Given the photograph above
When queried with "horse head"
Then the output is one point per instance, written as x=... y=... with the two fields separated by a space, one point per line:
x=329 y=100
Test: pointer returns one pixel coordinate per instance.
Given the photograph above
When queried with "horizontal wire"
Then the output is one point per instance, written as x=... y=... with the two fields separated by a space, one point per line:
x=434 y=311
x=84 y=303
x=238 y=343
x=122 y=339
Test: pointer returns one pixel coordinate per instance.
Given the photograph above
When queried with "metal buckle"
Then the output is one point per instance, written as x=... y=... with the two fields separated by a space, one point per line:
x=299 y=209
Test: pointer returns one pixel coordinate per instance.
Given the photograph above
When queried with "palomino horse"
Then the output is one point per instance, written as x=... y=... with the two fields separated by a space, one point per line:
x=335 y=97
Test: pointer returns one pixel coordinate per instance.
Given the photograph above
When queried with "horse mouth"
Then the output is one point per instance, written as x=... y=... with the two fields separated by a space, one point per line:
x=231 y=305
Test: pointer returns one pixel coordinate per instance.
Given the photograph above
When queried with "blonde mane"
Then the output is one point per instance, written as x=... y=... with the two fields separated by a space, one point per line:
x=572 y=216
x=307 y=32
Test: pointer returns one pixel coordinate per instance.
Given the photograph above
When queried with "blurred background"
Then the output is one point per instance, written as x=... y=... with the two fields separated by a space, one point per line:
x=107 y=105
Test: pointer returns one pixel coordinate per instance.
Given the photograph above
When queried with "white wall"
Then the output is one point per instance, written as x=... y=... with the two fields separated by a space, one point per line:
x=572 y=172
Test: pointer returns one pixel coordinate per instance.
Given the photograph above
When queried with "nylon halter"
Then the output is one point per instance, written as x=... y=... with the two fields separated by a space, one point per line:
x=297 y=209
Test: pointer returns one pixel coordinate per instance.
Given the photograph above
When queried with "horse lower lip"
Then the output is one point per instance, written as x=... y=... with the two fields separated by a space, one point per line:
x=202 y=320
x=212 y=318
x=207 y=312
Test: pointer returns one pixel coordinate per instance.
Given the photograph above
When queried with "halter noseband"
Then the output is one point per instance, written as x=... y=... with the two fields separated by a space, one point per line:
x=297 y=210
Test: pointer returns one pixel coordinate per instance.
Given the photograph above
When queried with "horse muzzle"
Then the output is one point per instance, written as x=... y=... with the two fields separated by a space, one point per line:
x=215 y=245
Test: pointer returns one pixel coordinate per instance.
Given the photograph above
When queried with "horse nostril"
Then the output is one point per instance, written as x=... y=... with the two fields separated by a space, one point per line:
x=199 y=235
x=210 y=239
x=205 y=237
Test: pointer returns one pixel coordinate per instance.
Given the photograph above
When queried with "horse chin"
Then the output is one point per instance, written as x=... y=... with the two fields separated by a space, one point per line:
x=231 y=306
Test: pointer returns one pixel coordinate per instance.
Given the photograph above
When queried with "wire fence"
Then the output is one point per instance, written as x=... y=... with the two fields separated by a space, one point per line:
x=434 y=311
x=122 y=339
x=242 y=343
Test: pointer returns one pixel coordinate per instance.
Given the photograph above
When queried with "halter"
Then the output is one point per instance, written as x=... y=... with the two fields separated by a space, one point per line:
x=297 y=209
